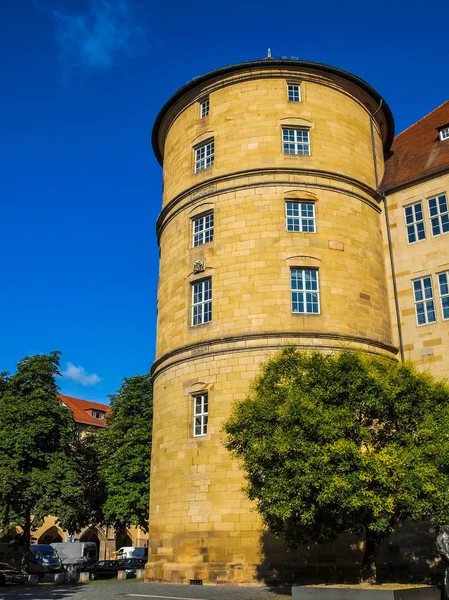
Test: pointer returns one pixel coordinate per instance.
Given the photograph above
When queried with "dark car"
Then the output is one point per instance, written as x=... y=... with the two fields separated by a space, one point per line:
x=9 y=574
x=135 y=563
x=107 y=569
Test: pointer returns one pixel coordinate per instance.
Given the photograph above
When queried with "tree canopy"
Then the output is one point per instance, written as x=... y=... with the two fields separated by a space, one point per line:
x=125 y=454
x=38 y=468
x=335 y=442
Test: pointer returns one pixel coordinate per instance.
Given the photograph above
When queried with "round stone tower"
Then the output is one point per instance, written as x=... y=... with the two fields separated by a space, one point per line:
x=270 y=235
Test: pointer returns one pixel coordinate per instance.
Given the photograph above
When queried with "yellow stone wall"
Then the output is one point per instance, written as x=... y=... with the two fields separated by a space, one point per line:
x=426 y=345
x=201 y=526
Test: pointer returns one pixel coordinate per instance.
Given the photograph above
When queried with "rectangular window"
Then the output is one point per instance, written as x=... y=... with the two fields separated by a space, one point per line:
x=294 y=92
x=300 y=216
x=443 y=282
x=202 y=302
x=296 y=141
x=414 y=222
x=203 y=229
x=444 y=134
x=204 y=156
x=200 y=414
x=305 y=291
x=439 y=214
x=204 y=108
x=424 y=304
x=98 y=414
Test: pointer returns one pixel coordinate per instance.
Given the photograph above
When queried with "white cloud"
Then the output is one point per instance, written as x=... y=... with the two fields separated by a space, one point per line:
x=97 y=37
x=80 y=375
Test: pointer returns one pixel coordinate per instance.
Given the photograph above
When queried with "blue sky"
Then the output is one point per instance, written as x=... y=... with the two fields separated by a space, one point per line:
x=80 y=191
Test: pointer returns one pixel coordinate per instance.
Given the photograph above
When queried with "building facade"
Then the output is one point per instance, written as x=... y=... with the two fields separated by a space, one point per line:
x=416 y=185
x=270 y=235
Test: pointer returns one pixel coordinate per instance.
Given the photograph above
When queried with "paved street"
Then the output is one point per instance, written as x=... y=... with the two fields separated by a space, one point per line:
x=129 y=590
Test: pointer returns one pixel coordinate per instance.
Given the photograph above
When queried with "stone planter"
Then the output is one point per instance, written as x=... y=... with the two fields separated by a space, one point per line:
x=374 y=592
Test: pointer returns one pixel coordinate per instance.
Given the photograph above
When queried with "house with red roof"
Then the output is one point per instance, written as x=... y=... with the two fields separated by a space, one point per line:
x=416 y=237
x=86 y=413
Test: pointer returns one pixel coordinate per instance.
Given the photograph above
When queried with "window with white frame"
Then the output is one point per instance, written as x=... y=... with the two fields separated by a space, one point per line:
x=439 y=214
x=203 y=229
x=300 y=216
x=444 y=134
x=293 y=92
x=204 y=107
x=200 y=414
x=424 y=303
x=98 y=414
x=305 y=291
x=443 y=282
x=414 y=222
x=204 y=156
x=296 y=141
x=202 y=302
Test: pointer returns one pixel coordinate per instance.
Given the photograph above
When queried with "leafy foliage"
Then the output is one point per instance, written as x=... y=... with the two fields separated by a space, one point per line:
x=38 y=468
x=125 y=453
x=89 y=505
x=340 y=442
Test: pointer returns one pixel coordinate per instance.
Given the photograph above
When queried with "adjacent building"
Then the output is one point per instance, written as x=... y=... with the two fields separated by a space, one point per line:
x=416 y=185
x=88 y=415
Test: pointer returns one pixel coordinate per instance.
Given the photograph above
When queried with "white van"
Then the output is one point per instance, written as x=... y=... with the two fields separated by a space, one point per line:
x=130 y=552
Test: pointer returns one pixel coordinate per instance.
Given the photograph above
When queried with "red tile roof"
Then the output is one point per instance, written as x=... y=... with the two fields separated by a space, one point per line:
x=417 y=152
x=82 y=410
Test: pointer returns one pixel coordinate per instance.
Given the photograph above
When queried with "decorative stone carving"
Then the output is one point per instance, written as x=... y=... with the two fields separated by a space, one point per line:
x=199 y=266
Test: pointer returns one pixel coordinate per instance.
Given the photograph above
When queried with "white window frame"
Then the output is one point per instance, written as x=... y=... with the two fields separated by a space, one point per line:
x=412 y=226
x=438 y=217
x=426 y=302
x=200 y=414
x=204 y=156
x=98 y=414
x=201 y=302
x=296 y=139
x=204 y=108
x=294 y=92
x=443 y=280
x=203 y=229
x=295 y=220
x=308 y=286
x=444 y=134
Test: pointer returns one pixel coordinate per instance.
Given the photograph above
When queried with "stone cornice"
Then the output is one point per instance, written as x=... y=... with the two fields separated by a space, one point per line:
x=240 y=343
x=223 y=184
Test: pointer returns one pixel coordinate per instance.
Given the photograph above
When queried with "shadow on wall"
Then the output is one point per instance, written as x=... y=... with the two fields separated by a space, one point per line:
x=407 y=556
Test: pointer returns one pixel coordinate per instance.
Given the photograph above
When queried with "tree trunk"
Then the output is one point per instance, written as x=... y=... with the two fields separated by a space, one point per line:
x=369 y=566
x=26 y=541
x=120 y=535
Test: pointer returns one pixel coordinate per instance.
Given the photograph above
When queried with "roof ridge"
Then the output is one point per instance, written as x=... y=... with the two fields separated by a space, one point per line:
x=422 y=118
x=85 y=402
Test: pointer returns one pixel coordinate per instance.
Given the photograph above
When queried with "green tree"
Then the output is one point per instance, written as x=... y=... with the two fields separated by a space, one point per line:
x=335 y=442
x=125 y=454
x=88 y=509
x=39 y=475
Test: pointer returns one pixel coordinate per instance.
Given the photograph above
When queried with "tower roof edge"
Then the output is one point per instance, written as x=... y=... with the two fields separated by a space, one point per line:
x=269 y=64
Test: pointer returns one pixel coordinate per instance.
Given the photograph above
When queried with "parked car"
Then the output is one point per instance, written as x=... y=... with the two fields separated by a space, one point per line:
x=107 y=569
x=136 y=563
x=9 y=574
x=44 y=559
